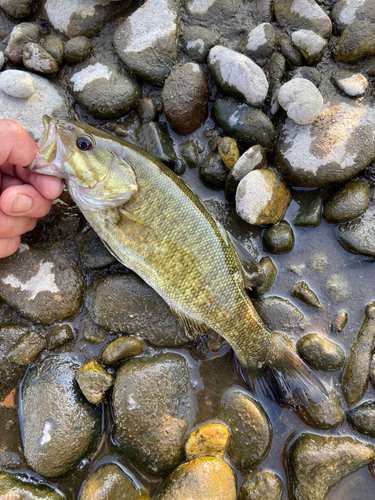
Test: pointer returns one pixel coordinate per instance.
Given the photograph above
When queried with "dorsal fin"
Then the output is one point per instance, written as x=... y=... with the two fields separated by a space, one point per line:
x=253 y=273
x=193 y=329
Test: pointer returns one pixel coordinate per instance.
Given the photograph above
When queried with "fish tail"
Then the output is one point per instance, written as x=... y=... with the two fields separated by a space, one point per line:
x=285 y=379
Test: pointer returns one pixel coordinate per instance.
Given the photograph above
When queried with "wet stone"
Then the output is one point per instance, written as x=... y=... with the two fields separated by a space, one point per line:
x=36 y=58
x=10 y=439
x=355 y=43
x=325 y=414
x=292 y=55
x=270 y=271
x=311 y=45
x=275 y=70
x=109 y=482
x=251 y=431
x=345 y=12
x=190 y=152
x=122 y=348
x=91 y=332
x=13 y=488
x=17 y=83
x=212 y=172
x=210 y=439
x=10 y=373
x=155 y=139
x=302 y=14
x=337 y=288
x=197 y=42
x=359 y=234
x=362 y=418
x=153 y=405
x=278 y=239
x=245 y=123
x=20 y=35
x=94 y=381
x=348 y=202
x=59 y=336
x=237 y=75
x=353 y=84
x=77 y=49
x=185 y=97
x=259 y=44
x=262 y=485
x=54 y=46
x=320 y=353
x=262 y=198
x=58 y=425
x=279 y=314
x=147 y=110
x=302 y=291
x=340 y=322
x=328 y=459
x=27 y=349
x=147 y=41
x=92 y=252
x=44 y=286
x=308 y=73
x=228 y=151
x=301 y=100
x=310 y=211
x=204 y=478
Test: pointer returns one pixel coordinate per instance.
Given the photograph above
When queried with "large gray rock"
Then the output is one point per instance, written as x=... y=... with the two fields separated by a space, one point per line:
x=346 y=12
x=259 y=44
x=147 y=41
x=17 y=83
x=332 y=149
x=58 y=424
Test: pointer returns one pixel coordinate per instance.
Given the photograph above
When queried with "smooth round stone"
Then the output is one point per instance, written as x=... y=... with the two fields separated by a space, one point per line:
x=212 y=172
x=324 y=414
x=320 y=353
x=10 y=373
x=153 y=406
x=270 y=272
x=185 y=97
x=11 y=487
x=237 y=75
x=27 y=349
x=328 y=459
x=204 y=478
x=17 y=83
x=197 y=42
x=251 y=431
x=339 y=322
x=302 y=14
x=262 y=485
x=59 y=336
x=310 y=211
x=94 y=381
x=292 y=55
x=20 y=35
x=36 y=58
x=228 y=151
x=337 y=287
x=58 y=425
x=111 y=482
x=262 y=198
x=301 y=100
x=349 y=202
x=353 y=84
x=147 y=110
x=346 y=12
x=190 y=152
x=210 y=439
x=17 y=9
x=362 y=418
x=122 y=348
x=355 y=43
x=77 y=49
x=310 y=44
x=259 y=44
x=308 y=73
x=278 y=239
x=54 y=46
x=359 y=234
x=279 y=314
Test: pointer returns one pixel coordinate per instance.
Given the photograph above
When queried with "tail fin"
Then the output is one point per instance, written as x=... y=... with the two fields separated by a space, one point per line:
x=285 y=379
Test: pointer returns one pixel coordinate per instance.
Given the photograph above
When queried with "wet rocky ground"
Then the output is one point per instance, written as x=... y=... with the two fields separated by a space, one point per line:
x=266 y=109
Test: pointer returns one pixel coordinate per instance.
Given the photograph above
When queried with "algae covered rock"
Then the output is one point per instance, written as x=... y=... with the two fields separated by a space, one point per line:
x=209 y=439
x=262 y=485
x=320 y=353
x=348 y=202
x=362 y=418
x=94 y=381
x=11 y=487
x=279 y=314
x=279 y=238
x=121 y=348
x=324 y=414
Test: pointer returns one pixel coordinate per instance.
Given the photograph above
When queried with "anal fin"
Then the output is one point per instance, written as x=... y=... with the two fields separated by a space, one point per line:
x=252 y=272
x=193 y=329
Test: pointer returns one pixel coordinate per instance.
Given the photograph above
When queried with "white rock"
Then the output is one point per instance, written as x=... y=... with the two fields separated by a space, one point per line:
x=354 y=85
x=257 y=37
x=17 y=83
x=89 y=74
x=301 y=100
x=254 y=157
x=310 y=44
x=237 y=74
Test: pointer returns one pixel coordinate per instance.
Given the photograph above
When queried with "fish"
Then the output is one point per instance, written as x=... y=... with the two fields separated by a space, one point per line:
x=155 y=225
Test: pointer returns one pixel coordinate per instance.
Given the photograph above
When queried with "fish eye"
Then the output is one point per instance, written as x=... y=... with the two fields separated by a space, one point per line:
x=84 y=143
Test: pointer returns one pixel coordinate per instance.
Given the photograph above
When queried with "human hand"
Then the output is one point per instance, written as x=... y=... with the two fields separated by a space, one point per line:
x=24 y=195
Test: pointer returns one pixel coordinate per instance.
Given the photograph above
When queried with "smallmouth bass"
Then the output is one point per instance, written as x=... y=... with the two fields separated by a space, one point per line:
x=155 y=225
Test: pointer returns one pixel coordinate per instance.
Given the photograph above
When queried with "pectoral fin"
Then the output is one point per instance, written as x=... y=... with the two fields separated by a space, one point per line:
x=252 y=272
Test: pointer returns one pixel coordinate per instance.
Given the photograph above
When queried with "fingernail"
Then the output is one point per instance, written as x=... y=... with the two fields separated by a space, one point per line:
x=21 y=204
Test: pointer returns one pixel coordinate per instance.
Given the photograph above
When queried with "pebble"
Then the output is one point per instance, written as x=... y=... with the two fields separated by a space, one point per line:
x=292 y=55
x=17 y=83
x=13 y=487
x=270 y=271
x=278 y=239
x=337 y=288
x=210 y=439
x=237 y=75
x=147 y=110
x=27 y=349
x=275 y=71
x=319 y=262
x=362 y=418
x=348 y=202
x=301 y=100
x=228 y=151
x=308 y=73
x=259 y=44
x=311 y=45
x=197 y=41
x=77 y=49
x=190 y=152
x=36 y=58
x=302 y=291
x=59 y=336
x=353 y=84
x=94 y=381
x=212 y=172
x=310 y=211
x=359 y=234
x=325 y=414
x=154 y=138
x=120 y=349
x=262 y=485
x=355 y=43
x=262 y=198
x=340 y=322
x=21 y=34
x=54 y=46
x=302 y=14
x=279 y=314
x=320 y=353
x=10 y=373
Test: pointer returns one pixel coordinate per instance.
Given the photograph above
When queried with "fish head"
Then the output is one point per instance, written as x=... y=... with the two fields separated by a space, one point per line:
x=89 y=161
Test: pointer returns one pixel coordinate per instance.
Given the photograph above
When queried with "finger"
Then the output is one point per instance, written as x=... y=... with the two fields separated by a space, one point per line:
x=17 y=146
x=15 y=171
x=9 y=246
x=15 y=226
x=48 y=186
x=8 y=181
x=24 y=201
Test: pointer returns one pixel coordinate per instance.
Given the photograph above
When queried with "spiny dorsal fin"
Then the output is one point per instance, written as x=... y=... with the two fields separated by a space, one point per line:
x=193 y=329
x=253 y=273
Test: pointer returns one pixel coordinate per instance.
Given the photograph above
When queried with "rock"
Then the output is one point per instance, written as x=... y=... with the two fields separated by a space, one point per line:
x=122 y=348
x=311 y=45
x=190 y=152
x=353 y=84
x=355 y=43
x=308 y=73
x=324 y=414
x=17 y=83
x=147 y=40
x=262 y=198
x=110 y=482
x=302 y=14
x=362 y=418
x=279 y=314
x=76 y=18
x=356 y=374
x=262 y=485
x=270 y=272
x=278 y=239
x=36 y=58
x=302 y=291
x=329 y=459
x=147 y=110
x=54 y=46
x=44 y=286
x=10 y=373
x=153 y=405
x=77 y=49
x=228 y=151
x=346 y=12
x=185 y=97
x=92 y=252
x=11 y=456
x=204 y=478
x=104 y=90
x=59 y=336
x=58 y=425
x=210 y=439
x=251 y=431
x=359 y=234
x=310 y=211
x=259 y=44
x=212 y=172
x=197 y=41
x=12 y=487
x=291 y=54
x=155 y=139
x=48 y=98
x=124 y=303
x=301 y=100
x=18 y=9
x=334 y=148
x=94 y=381
x=337 y=287
x=348 y=202
x=27 y=349
x=320 y=353
x=6 y=27
x=20 y=35
x=237 y=75
x=245 y=123
x=2 y=59
x=340 y=322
